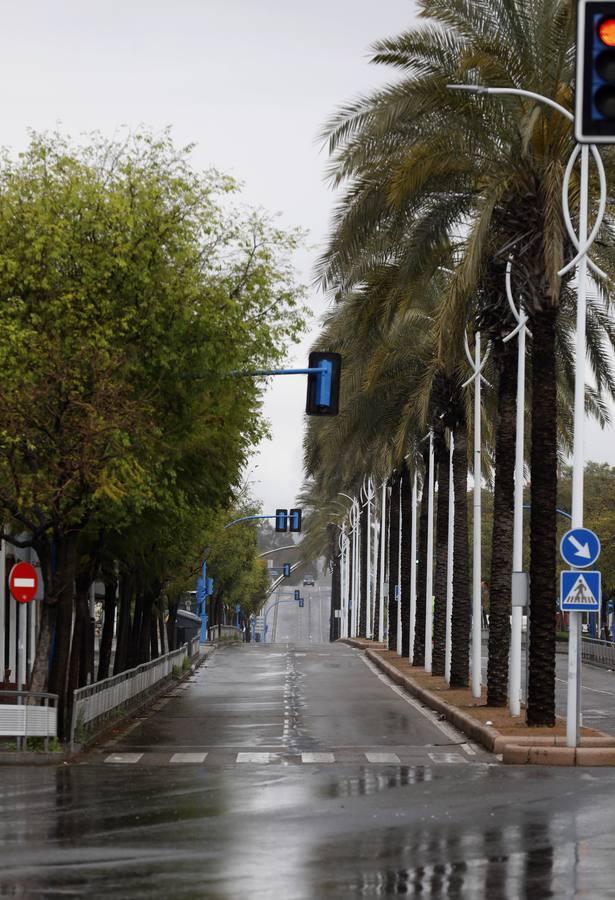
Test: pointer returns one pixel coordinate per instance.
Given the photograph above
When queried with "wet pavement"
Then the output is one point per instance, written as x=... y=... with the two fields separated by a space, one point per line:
x=296 y=771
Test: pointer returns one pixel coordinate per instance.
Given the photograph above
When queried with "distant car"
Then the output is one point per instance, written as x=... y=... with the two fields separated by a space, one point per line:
x=308 y=580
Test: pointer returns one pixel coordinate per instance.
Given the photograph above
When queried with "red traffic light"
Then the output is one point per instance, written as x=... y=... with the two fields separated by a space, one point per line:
x=606 y=31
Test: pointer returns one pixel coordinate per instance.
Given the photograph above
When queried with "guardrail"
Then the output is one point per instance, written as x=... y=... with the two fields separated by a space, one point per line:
x=598 y=652
x=98 y=700
x=220 y=632
x=34 y=715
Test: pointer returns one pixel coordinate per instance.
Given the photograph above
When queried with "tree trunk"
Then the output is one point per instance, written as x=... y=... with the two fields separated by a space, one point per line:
x=137 y=624
x=502 y=533
x=421 y=575
x=440 y=580
x=393 y=563
x=363 y=572
x=39 y=678
x=154 y=651
x=460 y=651
x=543 y=526
x=64 y=590
x=123 y=628
x=164 y=646
x=406 y=558
x=106 y=641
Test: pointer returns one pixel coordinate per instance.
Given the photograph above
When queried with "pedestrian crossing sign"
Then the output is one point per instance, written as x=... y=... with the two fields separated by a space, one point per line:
x=580 y=591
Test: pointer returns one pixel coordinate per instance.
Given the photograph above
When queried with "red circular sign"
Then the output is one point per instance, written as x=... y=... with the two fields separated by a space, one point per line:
x=23 y=582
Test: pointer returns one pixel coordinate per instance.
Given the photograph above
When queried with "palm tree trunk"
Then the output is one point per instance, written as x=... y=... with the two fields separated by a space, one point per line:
x=440 y=581
x=363 y=572
x=460 y=651
x=421 y=576
x=543 y=500
x=502 y=533
x=393 y=562
x=406 y=558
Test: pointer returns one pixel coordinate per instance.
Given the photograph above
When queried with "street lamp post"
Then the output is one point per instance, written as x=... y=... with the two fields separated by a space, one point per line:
x=429 y=574
x=413 y=563
x=383 y=537
x=449 y=564
x=477 y=367
x=582 y=244
x=514 y=686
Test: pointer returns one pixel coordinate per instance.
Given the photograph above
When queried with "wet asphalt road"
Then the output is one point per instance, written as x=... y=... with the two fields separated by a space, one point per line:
x=311 y=776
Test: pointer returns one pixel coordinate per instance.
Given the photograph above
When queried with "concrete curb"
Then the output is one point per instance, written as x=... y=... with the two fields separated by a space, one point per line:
x=541 y=750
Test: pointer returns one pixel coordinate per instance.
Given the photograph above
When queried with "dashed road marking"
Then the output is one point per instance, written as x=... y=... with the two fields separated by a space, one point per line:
x=123 y=758
x=188 y=757
x=450 y=758
x=254 y=757
x=317 y=758
x=382 y=757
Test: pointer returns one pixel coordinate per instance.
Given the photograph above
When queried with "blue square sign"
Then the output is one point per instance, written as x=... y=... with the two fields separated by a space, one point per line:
x=580 y=591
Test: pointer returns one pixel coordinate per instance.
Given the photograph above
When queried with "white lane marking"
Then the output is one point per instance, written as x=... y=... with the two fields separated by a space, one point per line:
x=123 y=758
x=317 y=758
x=382 y=757
x=254 y=757
x=469 y=749
x=188 y=757
x=451 y=733
x=585 y=688
x=447 y=758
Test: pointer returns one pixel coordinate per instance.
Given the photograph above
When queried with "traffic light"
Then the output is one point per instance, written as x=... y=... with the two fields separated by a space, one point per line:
x=286 y=570
x=297 y=594
x=323 y=387
x=281 y=520
x=595 y=83
x=301 y=602
x=295 y=520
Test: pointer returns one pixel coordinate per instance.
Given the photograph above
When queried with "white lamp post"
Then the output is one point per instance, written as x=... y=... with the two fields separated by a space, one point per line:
x=477 y=367
x=514 y=686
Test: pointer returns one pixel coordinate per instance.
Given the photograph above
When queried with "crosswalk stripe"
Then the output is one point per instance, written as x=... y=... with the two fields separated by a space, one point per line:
x=382 y=757
x=254 y=757
x=447 y=758
x=123 y=758
x=317 y=758
x=188 y=757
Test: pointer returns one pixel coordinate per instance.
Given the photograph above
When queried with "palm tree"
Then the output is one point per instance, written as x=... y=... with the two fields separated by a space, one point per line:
x=422 y=162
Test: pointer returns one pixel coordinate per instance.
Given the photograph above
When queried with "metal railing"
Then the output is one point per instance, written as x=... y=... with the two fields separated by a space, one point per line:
x=219 y=632
x=598 y=652
x=97 y=701
x=33 y=715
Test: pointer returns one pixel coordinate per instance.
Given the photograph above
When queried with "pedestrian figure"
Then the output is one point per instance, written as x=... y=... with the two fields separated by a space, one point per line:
x=484 y=602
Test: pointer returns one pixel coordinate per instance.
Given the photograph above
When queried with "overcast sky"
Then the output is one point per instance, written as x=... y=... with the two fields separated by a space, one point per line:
x=250 y=81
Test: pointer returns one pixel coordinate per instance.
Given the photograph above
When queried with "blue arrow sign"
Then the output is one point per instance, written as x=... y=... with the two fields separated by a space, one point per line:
x=580 y=591
x=580 y=547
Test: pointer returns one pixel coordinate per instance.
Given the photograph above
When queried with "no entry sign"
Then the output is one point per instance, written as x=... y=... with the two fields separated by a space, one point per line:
x=23 y=582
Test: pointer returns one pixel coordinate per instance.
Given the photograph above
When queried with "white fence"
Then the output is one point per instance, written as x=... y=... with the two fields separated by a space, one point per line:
x=32 y=715
x=97 y=700
x=220 y=632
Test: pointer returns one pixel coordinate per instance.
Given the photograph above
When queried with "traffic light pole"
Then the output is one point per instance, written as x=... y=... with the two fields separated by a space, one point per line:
x=582 y=243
